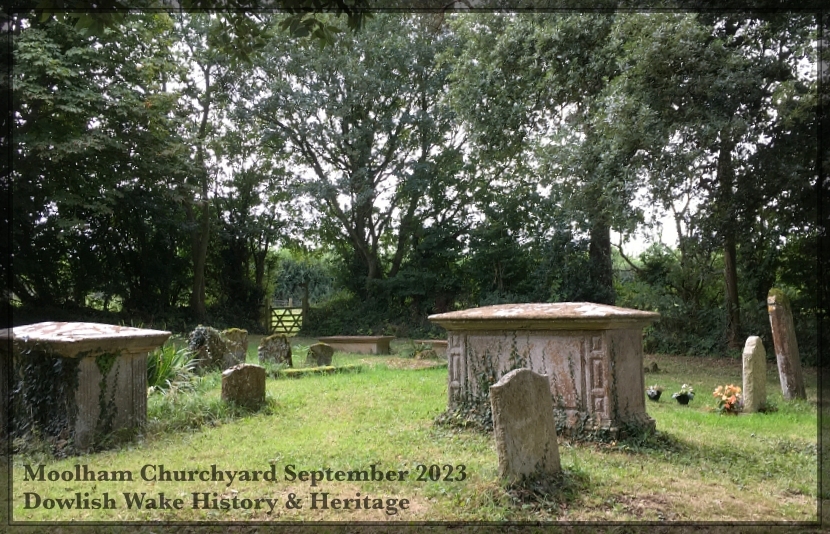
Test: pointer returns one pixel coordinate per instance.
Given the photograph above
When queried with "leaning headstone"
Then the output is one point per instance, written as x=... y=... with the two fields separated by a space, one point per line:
x=237 y=341
x=244 y=384
x=208 y=348
x=786 y=347
x=276 y=349
x=524 y=425
x=319 y=355
x=755 y=375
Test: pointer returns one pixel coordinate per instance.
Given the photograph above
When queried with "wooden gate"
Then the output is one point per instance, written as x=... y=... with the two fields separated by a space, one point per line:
x=286 y=321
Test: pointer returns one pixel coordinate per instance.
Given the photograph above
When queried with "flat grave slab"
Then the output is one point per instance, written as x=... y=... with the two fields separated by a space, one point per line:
x=359 y=344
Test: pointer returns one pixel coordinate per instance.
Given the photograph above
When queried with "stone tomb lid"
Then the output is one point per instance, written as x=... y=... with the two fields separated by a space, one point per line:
x=545 y=316
x=72 y=339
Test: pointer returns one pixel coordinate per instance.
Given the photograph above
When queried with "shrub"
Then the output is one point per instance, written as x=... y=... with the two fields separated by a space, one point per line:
x=169 y=367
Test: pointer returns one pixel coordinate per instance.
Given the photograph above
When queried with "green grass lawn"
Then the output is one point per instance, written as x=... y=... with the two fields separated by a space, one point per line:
x=701 y=466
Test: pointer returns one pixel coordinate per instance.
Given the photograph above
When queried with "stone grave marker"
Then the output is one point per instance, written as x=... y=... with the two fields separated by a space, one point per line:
x=755 y=375
x=208 y=347
x=276 y=349
x=236 y=340
x=244 y=384
x=786 y=346
x=524 y=425
x=319 y=355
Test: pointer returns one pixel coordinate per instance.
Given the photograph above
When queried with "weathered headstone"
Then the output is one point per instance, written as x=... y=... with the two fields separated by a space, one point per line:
x=276 y=349
x=318 y=355
x=786 y=347
x=208 y=348
x=755 y=375
x=236 y=340
x=524 y=425
x=244 y=384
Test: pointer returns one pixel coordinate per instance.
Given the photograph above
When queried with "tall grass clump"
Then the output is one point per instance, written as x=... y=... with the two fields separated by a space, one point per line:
x=169 y=368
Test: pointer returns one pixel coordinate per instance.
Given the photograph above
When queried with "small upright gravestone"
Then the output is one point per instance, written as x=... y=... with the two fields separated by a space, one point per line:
x=236 y=340
x=524 y=425
x=786 y=347
x=244 y=384
x=275 y=349
x=208 y=348
x=755 y=375
x=319 y=354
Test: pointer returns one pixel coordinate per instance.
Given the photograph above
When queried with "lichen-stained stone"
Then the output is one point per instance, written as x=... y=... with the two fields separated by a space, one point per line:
x=786 y=345
x=275 y=349
x=106 y=390
x=524 y=425
x=244 y=384
x=754 y=375
x=208 y=348
x=319 y=354
x=592 y=354
x=236 y=340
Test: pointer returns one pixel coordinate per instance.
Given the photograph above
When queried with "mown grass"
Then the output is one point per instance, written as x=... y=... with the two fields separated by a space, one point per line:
x=700 y=466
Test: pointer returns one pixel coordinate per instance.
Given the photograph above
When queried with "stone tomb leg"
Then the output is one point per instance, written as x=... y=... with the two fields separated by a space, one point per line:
x=110 y=357
x=592 y=353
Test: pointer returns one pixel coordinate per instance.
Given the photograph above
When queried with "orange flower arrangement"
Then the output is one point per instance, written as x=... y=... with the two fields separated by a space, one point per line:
x=729 y=399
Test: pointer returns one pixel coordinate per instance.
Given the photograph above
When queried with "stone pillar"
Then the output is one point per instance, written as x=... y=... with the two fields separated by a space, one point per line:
x=786 y=347
x=244 y=384
x=755 y=375
x=524 y=425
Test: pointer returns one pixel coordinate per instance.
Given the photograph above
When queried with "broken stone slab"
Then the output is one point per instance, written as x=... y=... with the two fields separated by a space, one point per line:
x=593 y=354
x=319 y=355
x=524 y=426
x=244 y=384
x=786 y=346
x=236 y=340
x=275 y=349
x=96 y=381
x=754 y=375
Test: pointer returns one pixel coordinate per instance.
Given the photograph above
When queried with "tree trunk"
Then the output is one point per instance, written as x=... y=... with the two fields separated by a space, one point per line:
x=201 y=234
x=726 y=178
x=305 y=304
x=730 y=273
x=199 y=245
x=600 y=263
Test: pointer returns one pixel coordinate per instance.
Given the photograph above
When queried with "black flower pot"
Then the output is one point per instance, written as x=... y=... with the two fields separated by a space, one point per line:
x=683 y=399
x=653 y=394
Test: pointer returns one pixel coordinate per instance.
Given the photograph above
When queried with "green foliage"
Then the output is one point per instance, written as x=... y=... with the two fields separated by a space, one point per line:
x=170 y=368
x=193 y=410
x=43 y=397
